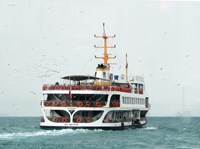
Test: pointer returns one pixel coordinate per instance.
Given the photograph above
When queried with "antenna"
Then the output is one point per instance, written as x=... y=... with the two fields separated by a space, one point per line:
x=104 y=32
x=105 y=57
x=126 y=68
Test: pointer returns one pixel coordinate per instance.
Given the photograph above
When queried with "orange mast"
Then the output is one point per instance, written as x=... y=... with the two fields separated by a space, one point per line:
x=105 y=55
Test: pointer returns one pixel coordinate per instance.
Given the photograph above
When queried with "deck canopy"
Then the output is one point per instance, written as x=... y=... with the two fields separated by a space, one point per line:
x=82 y=77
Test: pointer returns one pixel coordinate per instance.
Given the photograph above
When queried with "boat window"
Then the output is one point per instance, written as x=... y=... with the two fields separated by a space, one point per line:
x=104 y=74
x=117 y=117
x=50 y=97
x=87 y=116
x=60 y=116
x=115 y=101
x=61 y=113
x=135 y=87
x=57 y=97
x=141 y=89
x=143 y=113
x=95 y=97
x=146 y=100
x=91 y=97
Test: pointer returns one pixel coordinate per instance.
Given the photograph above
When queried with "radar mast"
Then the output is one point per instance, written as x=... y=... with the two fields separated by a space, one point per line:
x=105 y=57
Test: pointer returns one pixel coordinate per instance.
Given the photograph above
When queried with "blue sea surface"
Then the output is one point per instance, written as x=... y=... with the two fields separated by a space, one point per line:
x=159 y=133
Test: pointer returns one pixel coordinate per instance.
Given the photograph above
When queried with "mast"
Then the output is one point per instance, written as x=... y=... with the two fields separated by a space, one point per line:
x=126 y=68
x=105 y=47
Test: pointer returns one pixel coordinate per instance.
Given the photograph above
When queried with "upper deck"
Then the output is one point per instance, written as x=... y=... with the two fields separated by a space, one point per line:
x=91 y=83
x=92 y=88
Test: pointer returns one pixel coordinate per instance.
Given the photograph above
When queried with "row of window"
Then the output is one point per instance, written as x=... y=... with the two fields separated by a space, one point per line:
x=131 y=100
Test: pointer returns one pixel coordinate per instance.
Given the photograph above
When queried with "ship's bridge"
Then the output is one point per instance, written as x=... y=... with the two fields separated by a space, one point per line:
x=137 y=83
x=102 y=71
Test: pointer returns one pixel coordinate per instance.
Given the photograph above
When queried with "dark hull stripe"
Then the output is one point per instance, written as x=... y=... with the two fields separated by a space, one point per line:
x=103 y=128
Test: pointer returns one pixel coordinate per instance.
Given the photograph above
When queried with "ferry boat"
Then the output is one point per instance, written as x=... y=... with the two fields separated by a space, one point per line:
x=101 y=101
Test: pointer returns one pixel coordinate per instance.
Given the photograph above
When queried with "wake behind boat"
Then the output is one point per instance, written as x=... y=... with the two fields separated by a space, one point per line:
x=105 y=100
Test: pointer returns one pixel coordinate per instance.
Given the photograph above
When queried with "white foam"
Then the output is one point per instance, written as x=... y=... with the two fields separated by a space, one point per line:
x=26 y=134
x=151 y=128
x=43 y=133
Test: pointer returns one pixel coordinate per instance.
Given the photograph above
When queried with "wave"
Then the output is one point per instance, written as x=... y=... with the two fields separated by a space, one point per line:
x=151 y=128
x=6 y=136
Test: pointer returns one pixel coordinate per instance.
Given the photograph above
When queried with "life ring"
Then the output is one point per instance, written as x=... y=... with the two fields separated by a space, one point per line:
x=98 y=88
x=56 y=103
x=78 y=119
x=83 y=87
x=48 y=103
x=55 y=119
x=90 y=87
x=44 y=87
x=88 y=103
x=63 y=103
x=76 y=88
x=88 y=119
x=98 y=104
x=64 y=120
x=113 y=88
x=69 y=87
x=80 y=104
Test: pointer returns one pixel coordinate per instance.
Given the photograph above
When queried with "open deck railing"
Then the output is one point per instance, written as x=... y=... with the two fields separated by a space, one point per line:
x=91 y=87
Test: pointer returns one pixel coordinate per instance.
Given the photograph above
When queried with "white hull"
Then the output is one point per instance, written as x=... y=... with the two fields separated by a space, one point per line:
x=48 y=122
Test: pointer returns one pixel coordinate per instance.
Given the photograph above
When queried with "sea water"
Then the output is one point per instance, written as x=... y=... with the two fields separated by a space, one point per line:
x=159 y=133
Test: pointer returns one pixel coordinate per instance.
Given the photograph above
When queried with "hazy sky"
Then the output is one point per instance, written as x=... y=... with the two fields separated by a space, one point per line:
x=43 y=40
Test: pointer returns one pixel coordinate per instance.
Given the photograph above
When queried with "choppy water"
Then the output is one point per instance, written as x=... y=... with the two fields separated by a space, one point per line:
x=159 y=133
